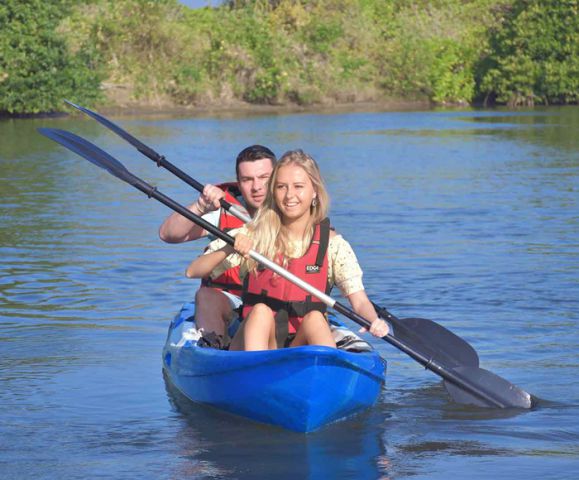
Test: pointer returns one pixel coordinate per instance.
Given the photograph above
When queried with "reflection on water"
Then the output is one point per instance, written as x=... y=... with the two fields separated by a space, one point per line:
x=214 y=443
x=465 y=217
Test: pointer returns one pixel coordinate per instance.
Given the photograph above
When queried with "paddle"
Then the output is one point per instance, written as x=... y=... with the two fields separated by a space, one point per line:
x=469 y=385
x=432 y=339
x=159 y=159
x=425 y=336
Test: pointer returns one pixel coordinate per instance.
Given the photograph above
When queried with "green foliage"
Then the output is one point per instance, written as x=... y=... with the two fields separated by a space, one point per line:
x=160 y=53
x=322 y=34
x=140 y=42
x=432 y=49
x=451 y=75
x=266 y=87
x=37 y=68
x=534 y=55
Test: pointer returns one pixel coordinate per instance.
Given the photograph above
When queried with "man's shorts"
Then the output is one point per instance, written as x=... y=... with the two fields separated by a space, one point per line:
x=234 y=300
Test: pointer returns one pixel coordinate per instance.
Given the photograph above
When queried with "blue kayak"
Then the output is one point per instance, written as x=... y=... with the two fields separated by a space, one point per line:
x=300 y=389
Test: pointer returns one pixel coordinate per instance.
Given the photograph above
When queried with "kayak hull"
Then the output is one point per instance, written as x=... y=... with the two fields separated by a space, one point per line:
x=299 y=389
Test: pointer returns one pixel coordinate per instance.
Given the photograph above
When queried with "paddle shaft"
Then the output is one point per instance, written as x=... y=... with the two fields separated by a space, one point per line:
x=161 y=161
x=428 y=363
x=441 y=344
x=385 y=314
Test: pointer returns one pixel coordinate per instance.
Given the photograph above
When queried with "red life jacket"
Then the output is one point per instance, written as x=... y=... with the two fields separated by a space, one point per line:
x=288 y=301
x=228 y=280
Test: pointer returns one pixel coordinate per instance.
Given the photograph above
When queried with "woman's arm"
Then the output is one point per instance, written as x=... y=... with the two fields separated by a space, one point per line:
x=347 y=275
x=363 y=307
x=216 y=253
x=204 y=264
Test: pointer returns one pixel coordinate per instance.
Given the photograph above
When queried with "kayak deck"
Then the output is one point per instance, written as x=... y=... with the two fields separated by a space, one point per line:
x=300 y=389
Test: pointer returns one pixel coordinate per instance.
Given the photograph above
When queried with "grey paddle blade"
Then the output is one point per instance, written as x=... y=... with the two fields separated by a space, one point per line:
x=91 y=152
x=502 y=391
x=141 y=147
x=436 y=342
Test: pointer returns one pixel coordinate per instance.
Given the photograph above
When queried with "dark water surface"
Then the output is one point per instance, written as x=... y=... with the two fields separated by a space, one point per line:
x=470 y=218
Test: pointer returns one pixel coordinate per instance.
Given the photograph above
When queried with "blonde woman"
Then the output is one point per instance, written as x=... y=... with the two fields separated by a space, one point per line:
x=291 y=228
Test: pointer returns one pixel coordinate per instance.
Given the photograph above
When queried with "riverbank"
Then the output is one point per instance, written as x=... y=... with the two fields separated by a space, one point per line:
x=236 y=109
x=243 y=109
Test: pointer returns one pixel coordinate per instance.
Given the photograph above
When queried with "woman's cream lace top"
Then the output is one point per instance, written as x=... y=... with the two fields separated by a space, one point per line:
x=343 y=268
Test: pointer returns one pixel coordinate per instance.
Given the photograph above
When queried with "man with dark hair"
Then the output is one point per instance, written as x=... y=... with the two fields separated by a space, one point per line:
x=217 y=299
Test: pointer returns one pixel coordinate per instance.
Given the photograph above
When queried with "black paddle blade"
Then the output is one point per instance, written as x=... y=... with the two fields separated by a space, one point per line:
x=431 y=340
x=159 y=159
x=436 y=342
x=502 y=391
x=141 y=147
x=91 y=152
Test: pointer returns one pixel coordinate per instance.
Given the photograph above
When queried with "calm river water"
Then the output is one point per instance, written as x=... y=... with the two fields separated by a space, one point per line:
x=470 y=218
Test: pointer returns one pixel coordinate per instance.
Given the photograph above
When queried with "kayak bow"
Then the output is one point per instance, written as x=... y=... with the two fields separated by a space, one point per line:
x=300 y=389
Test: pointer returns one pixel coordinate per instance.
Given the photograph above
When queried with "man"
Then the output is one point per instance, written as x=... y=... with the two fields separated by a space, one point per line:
x=218 y=298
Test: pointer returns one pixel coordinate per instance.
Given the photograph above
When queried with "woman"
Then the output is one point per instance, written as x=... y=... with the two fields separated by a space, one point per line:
x=289 y=227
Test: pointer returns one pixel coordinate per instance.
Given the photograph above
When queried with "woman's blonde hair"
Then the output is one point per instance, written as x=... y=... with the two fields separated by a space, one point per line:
x=270 y=238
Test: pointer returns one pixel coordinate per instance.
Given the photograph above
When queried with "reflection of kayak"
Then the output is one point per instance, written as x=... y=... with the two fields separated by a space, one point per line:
x=299 y=388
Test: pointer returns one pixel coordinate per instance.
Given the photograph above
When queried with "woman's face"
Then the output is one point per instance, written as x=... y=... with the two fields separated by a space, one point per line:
x=293 y=192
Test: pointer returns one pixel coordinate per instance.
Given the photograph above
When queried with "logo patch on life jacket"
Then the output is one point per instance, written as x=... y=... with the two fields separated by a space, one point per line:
x=312 y=269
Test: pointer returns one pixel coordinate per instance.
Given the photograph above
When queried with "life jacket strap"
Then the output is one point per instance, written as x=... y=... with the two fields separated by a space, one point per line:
x=324 y=241
x=281 y=328
x=293 y=309
x=230 y=287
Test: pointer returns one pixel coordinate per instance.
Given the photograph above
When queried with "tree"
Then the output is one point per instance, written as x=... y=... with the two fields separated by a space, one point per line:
x=534 y=55
x=37 y=69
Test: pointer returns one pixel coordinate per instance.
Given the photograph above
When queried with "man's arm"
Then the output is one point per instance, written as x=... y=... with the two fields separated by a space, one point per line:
x=177 y=229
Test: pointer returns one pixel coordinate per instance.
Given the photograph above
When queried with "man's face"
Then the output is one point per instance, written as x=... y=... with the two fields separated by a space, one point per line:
x=253 y=177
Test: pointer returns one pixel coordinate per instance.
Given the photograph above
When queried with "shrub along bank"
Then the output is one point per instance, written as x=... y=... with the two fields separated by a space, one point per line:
x=37 y=66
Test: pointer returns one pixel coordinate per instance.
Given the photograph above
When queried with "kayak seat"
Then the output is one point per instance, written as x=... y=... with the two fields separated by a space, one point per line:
x=348 y=341
x=345 y=339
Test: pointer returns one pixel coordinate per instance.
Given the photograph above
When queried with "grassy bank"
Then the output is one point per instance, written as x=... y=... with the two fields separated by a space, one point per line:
x=161 y=54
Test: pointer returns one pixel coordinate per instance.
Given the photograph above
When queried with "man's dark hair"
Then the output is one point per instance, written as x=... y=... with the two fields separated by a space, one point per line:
x=253 y=153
